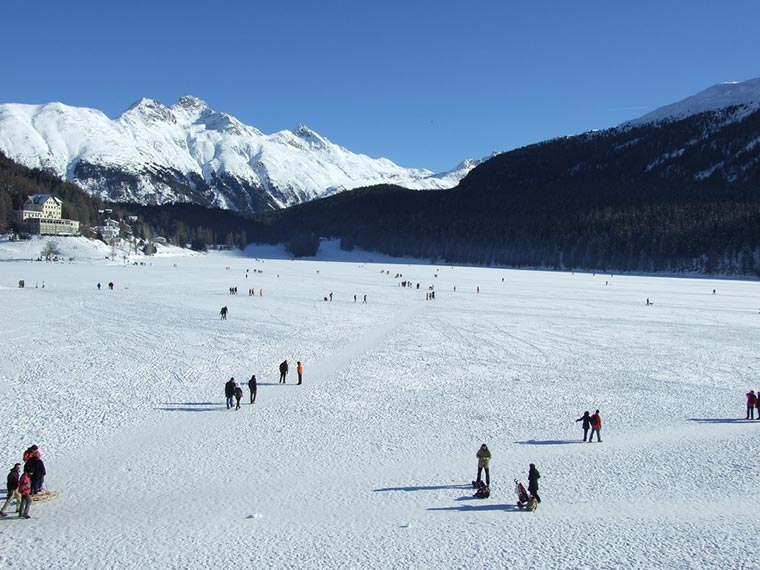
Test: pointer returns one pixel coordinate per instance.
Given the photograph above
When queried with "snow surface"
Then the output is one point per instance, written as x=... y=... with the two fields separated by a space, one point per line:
x=720 y=96
x=368 y=463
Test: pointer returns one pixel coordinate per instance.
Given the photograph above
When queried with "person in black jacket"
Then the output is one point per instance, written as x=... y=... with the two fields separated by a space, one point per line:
x=229 y=391
x=586 y=419
x=533 y=476
x=13 y=493
x=283 y=371
x=252 y=388
x=36 y=469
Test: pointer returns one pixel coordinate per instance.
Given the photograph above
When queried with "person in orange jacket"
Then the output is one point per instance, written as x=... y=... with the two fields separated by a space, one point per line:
x=299 y=369
x=596 y=427
x=751 y=403
x=25 y=490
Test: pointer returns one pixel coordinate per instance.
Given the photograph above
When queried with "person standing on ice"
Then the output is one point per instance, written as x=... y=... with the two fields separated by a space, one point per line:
x=596 y=427
x=299 y=369
x=283 y=371
x=751 y=403
x=586 y=419
x=25 y=490
x=533 y=476
x=229 y=391
x=252 y=388
x=484 y=459
x=33 y=464
x=238 y=396
x=223 y=313
x=13 y=493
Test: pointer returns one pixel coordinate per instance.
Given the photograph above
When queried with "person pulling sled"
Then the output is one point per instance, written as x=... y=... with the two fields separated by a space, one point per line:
x=524 y=500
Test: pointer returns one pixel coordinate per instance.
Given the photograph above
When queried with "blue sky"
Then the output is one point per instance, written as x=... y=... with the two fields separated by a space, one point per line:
x=424 y=83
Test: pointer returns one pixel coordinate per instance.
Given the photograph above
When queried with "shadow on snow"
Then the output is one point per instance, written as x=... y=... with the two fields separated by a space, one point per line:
x=721 y=420
x=549 y=441
x=191 y=406
x=428 y=488
x=476 y=508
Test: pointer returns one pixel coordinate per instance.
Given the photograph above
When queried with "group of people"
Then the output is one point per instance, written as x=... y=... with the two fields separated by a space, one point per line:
x=234 y=392
x=284 y=371
x=752 y=402
x=110 y=286
x=484 y=459
x=592 y=421
x=23 y=485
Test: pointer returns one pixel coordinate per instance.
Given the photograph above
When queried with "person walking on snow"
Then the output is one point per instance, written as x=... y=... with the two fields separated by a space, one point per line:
x=299 y=369
x=223 y=313
x=533 y=476
x=25 y=490
x=751 y=403
x=13 y=493
x=596 y=427
x=484 y=459
x=586 y=419
x=283 y=371
x=229 y=391
x=238 y=396
x=252 y=388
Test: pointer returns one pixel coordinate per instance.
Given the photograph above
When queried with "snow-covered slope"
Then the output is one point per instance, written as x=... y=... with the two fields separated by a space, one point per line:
x=188 y=152
x=744 y=93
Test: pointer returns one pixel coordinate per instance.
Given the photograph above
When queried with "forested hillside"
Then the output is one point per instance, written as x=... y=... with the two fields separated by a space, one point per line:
x=17 y=182
x=682 y=196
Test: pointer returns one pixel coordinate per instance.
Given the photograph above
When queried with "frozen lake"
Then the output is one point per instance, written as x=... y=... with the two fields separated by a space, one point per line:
x=368 y=463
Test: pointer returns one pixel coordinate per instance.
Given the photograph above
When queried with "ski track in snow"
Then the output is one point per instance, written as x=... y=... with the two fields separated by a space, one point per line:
x=368 y=463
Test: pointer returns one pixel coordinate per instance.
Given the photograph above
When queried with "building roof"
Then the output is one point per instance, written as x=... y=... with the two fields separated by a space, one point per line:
x=40 y=199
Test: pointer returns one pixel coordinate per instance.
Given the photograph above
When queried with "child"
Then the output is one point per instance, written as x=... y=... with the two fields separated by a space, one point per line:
x=238 y=396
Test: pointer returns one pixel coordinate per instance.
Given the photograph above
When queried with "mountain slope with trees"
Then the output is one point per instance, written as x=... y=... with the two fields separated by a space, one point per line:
x=675 y=196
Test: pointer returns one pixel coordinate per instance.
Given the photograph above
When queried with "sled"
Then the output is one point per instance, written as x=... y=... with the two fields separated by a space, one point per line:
x=524 y=500
x=45 y=496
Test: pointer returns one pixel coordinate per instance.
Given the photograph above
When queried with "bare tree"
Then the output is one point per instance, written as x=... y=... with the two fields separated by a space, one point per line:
x=50 y=250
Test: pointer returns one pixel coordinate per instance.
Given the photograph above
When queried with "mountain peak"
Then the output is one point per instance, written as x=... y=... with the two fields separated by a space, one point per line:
x=191 y=102
x=149 y=110
x=720 y=96
x=303 y=131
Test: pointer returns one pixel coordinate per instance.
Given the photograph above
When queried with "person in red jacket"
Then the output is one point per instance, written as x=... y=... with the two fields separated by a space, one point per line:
x=751 y=403
x=596 y=427
x=25 y=489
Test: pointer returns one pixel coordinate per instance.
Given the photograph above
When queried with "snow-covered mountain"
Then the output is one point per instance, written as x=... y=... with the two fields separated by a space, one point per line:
x=736 y=93
x=154 y=154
